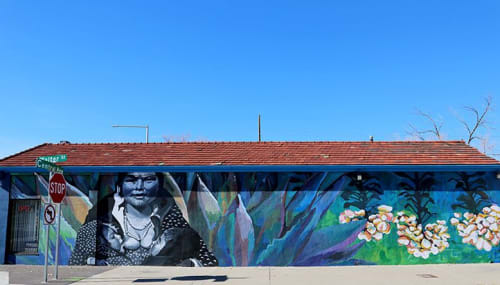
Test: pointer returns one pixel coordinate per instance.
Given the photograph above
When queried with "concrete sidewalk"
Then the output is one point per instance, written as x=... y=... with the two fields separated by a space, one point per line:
x=412 y=274
x=33 y=274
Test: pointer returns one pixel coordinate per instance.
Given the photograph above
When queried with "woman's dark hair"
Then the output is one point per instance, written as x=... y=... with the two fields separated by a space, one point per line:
x=162 y=192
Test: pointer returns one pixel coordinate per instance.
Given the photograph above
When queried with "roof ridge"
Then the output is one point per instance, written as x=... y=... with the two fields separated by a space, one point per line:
x=261 y=142
x=23 y=151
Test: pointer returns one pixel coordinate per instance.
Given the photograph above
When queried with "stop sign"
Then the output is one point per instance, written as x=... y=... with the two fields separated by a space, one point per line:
x=57 y=187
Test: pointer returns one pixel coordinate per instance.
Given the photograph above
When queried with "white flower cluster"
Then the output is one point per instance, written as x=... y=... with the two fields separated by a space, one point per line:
x=349 y=215
x=376 y=226
x=421 y=241
x=481 y=230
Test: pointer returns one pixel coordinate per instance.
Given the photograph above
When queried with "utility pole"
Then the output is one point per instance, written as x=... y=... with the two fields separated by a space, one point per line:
x=142 y=127
x=259 y=128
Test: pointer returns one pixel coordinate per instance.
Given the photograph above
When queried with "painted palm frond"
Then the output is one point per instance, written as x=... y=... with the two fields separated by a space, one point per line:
x=474 y=196
x=362 y=194
x=416 y=188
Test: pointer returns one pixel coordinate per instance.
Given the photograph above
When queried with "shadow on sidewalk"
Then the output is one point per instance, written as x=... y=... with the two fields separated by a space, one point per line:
x=215 y=278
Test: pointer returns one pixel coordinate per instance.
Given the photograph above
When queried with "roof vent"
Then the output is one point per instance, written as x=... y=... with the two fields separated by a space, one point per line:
x=371 y=138
x=64 y=142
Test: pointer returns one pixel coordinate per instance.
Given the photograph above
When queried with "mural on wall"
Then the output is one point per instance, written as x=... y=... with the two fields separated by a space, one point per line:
x=4 y=210
x=481 y=222
x=283 y=218
x=139 y=223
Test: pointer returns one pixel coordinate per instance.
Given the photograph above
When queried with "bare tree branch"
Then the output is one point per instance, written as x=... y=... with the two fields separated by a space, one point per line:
x=486 y=145
x=479 y=122
x=420 y=134
x=415 y=133
x=181 y=138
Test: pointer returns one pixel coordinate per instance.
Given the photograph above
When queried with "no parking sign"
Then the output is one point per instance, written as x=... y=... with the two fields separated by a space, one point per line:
x=49 y=214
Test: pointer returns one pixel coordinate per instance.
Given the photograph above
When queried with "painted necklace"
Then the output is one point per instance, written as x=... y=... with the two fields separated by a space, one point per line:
x=137 y=237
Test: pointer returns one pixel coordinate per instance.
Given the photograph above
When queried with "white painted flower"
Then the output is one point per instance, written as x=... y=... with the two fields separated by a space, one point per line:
x=403 y=240
x=343 y=219
x=377 y=224
x=494 y=227
x=434 y=250
x=480 y=230
x=365 y=236
x=421 y=241
x=487 y=246
x=461 y=227
x=360 y=213
x=426 y=243
x=378 y=236
x=495 y=241
x=370 y=228
x=412 y=219
x=349 y=216
x=383 y=227
x=428 y=234
x=495 y=208
x=470 y=229
x=483 y=244
x=468 y=215
x=384 y=209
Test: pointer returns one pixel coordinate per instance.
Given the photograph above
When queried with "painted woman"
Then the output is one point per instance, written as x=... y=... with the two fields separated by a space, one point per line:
x=140 y=224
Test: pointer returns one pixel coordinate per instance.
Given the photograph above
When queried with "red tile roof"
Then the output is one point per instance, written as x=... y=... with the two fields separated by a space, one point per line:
x=257 y=153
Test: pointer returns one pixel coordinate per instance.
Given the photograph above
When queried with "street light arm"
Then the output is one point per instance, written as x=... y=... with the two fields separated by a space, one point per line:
x=135 y=126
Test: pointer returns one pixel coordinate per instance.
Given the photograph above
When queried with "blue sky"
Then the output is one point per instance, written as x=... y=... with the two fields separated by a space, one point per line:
x=315 y=70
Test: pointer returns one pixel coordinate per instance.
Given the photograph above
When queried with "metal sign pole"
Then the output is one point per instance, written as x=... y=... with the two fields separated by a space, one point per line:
x=48 y=162
x=47 y=229
x=56 y=273
x=46 y=254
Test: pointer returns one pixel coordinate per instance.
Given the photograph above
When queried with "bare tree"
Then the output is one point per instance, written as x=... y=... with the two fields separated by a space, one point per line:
x=181 y=138
x=479 y=122
x=473 y=128
x=435 y=131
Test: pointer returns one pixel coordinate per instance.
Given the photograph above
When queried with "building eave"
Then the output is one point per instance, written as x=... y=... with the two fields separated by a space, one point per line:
x=262 y=168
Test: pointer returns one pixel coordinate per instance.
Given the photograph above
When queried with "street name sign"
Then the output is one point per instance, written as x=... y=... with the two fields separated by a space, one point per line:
x=54 y=158
x=48 y=165
x=57 y=187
